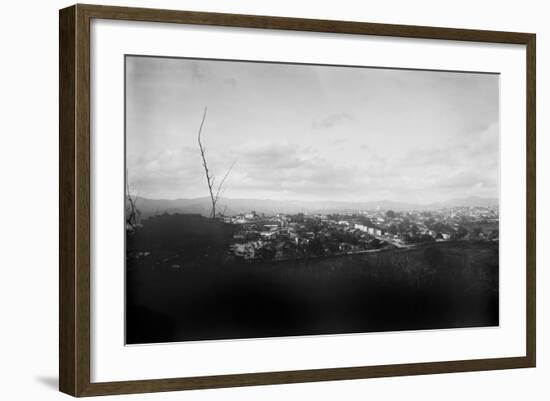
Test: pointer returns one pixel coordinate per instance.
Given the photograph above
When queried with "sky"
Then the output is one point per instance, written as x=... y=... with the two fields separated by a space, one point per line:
x=310 y=132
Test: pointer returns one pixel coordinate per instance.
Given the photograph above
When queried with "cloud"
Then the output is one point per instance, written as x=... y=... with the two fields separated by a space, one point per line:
x=471 y=154
x=272 y=156
x=422 y=136
x=332 y=121
x=465 y=180
x=295 y=170
x=232 y=82
x=198 y=71
x=177 y=172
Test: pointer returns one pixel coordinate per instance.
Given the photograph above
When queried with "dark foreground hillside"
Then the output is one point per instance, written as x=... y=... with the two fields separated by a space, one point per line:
x=181 y=286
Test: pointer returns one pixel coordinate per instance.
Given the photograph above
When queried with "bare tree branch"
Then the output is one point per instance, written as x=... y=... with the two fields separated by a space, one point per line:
x=135 y=214
x=218 y=193
x=210 y=179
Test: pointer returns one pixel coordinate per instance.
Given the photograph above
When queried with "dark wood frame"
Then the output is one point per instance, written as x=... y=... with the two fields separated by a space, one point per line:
x=74 y=199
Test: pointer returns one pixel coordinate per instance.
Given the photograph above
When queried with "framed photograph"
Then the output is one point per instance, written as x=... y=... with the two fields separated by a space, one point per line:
x=250 y=200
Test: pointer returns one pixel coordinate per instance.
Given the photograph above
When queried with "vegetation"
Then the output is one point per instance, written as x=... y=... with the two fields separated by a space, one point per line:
x=181 y=286
x=213 y=190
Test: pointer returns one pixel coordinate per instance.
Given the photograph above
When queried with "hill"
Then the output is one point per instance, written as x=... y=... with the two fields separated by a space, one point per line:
x=231 y=207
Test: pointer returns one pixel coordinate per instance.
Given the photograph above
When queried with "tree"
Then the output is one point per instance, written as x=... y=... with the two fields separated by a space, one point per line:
x=365 y=220
x=426 y=238
x=315 y=247
x=390 y=214
x=392 y=229
x=460 y=233
x=133 y=214
x=297 y=218
x=214 y=191
x=404 y=225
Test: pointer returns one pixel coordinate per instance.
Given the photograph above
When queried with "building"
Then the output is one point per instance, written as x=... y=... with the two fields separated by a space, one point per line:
x=251 y=215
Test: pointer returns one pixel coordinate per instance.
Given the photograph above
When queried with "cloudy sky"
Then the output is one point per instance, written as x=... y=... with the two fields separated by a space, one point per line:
x=308 y=132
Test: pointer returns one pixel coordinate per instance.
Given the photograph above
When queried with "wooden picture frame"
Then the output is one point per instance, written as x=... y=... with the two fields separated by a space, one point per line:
x=74 y=200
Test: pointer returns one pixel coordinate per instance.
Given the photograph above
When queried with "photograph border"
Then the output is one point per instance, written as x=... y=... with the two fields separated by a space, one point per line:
x=74 y=199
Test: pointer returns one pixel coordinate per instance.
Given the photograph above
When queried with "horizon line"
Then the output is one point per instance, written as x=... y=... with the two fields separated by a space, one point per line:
x=497 y=199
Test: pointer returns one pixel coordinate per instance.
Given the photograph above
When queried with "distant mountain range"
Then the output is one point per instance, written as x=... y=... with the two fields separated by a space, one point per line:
x=232 y=207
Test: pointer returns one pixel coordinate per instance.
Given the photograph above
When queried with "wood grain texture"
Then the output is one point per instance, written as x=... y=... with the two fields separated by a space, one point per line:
x=531 y=229
x=302 y=376
x=74 y=199
x=301 y=24
x=82 y=200
x=67 y=130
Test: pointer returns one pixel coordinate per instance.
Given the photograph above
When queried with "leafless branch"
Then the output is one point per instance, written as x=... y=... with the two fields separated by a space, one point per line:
x=134 y=214
x=218 y=193
x=210 y=179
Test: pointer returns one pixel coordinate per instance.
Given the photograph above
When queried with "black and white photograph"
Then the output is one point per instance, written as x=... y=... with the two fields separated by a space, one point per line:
x=271 y=199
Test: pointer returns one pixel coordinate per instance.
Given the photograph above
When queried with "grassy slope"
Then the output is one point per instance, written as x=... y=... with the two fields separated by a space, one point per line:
x=440 y=286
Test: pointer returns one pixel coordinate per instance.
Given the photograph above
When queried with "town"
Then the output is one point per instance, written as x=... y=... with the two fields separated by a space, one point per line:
x=279 y=237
